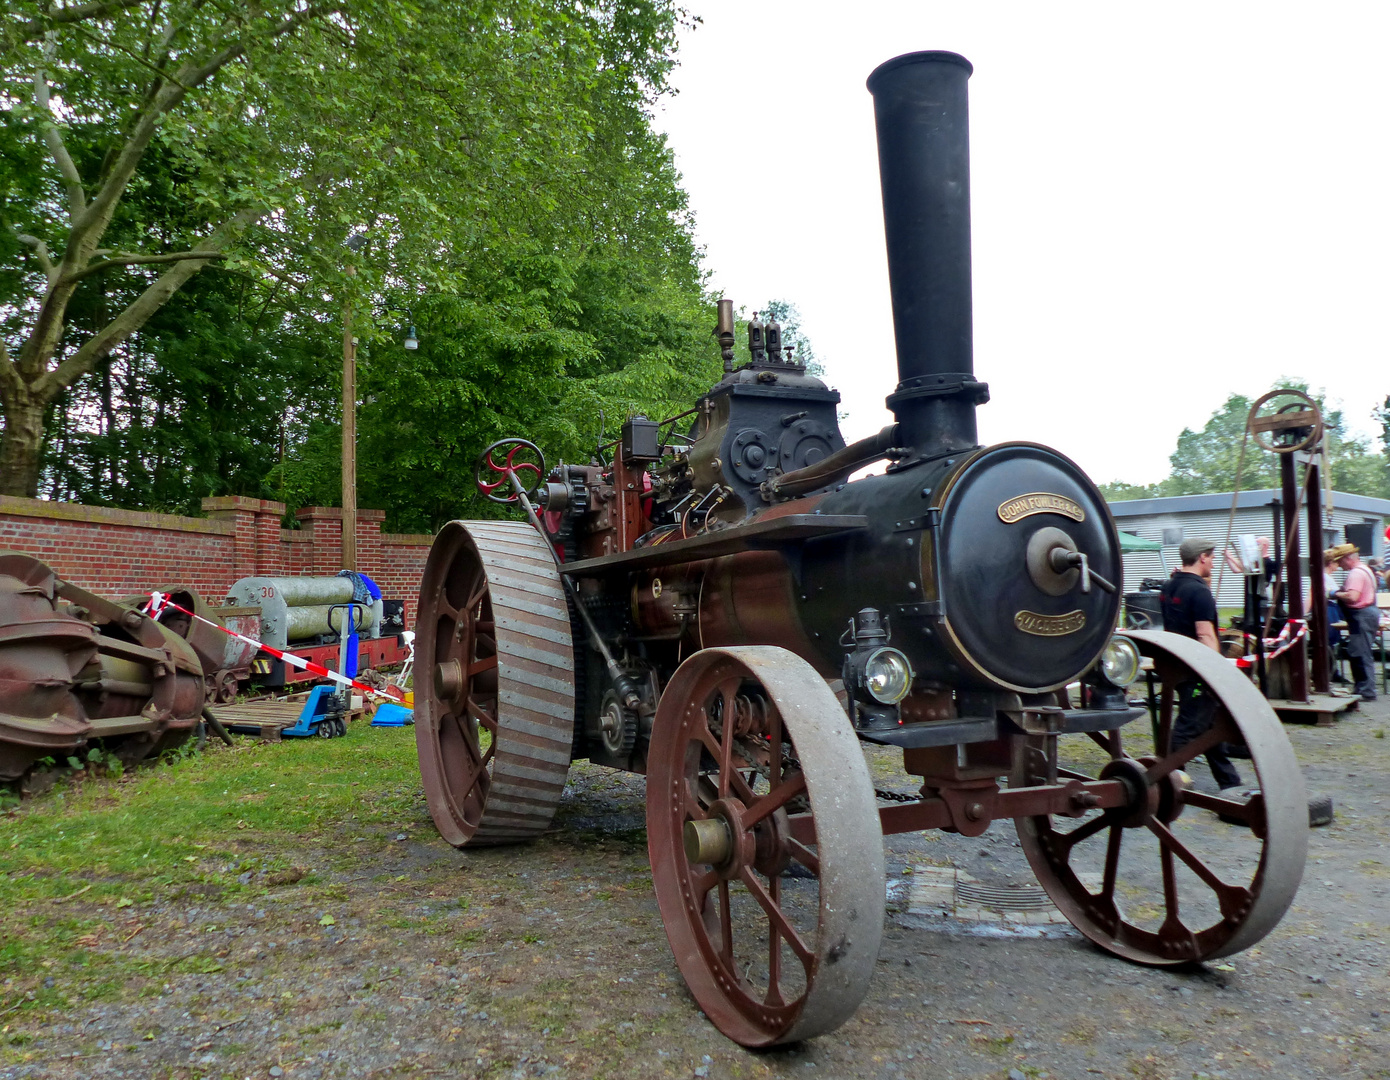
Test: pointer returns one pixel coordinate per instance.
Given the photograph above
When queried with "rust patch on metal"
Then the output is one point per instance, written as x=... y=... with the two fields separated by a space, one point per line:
x=1030 y=622
x=1039 y=502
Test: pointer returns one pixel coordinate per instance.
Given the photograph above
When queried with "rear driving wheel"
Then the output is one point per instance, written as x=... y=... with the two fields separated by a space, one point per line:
x=495 y=703
x=765 y=844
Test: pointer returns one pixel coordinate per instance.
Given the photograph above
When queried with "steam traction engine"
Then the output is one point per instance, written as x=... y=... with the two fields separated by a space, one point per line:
x=691 y=609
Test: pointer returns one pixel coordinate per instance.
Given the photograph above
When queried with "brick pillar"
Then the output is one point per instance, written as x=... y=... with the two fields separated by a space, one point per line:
x=325 y=525
x=270 y=552
x=369 y=542
x=241 y=512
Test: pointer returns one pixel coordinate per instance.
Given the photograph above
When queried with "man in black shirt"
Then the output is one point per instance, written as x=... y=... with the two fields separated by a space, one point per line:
x=1190 y=609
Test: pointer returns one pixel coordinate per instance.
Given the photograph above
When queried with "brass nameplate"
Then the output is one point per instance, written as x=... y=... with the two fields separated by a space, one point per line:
x=1039 y=502
x=1030 y=622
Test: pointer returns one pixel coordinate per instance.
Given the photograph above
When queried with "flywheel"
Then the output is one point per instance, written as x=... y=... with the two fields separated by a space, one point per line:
x=495 y=706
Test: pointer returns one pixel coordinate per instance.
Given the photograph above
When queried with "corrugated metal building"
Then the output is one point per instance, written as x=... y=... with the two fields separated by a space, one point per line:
x=1356 y=518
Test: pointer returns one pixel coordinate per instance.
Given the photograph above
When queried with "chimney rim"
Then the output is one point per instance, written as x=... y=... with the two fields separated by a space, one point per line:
x=926 y=56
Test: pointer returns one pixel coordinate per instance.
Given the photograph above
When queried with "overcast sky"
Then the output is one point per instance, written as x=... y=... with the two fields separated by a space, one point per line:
x=1171 y=202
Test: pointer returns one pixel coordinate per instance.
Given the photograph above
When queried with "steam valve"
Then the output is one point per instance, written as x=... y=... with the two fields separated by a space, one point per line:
x=757 y=343
x=724 y=331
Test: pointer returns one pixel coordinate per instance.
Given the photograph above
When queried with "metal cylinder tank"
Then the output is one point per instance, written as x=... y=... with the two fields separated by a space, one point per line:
x=297 y=608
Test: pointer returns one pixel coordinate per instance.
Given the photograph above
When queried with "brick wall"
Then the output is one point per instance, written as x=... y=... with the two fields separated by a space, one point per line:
x=119 y=553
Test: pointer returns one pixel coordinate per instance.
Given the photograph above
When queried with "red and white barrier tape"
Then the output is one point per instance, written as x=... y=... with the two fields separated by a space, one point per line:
x=1295 y=630
x=158 y=601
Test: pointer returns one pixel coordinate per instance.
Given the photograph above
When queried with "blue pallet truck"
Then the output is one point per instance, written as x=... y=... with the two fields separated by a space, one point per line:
x=325 y=713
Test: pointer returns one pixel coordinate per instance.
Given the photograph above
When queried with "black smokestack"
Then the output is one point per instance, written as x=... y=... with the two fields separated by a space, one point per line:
x=922 y=115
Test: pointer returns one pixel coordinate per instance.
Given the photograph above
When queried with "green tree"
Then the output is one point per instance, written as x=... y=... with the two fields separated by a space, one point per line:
x=1207 y=460
x=95 y=86
x=1118 y=490
x=452 y=132
x=788 y=315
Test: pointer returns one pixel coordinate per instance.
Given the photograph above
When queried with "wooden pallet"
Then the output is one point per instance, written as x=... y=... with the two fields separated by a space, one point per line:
x=1323 y=710
x=265 y=719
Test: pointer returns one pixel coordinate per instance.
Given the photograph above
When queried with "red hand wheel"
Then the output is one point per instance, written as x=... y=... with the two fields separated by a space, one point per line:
x=491 y=473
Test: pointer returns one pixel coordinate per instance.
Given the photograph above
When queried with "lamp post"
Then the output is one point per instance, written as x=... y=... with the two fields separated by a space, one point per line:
x=354 y=244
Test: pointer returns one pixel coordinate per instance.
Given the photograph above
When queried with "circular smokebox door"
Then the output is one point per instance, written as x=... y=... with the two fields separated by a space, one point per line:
x=1012 y=617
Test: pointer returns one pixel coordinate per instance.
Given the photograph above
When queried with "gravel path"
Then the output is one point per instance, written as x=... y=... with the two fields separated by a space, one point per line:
x=408 y=958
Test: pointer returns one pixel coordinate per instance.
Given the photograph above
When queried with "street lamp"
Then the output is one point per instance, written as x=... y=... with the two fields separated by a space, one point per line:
x=411 y=342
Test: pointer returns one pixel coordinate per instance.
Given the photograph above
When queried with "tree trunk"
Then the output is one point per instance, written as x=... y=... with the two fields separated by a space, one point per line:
x=20 y=447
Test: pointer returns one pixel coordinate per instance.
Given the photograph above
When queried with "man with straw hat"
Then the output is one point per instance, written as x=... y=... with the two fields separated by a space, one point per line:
x=1357 y=598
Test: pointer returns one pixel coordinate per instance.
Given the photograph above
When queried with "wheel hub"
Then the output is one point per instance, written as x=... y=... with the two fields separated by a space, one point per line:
x=724 y=838
x=1144 y=798
x=448 y=680
x=708 y=841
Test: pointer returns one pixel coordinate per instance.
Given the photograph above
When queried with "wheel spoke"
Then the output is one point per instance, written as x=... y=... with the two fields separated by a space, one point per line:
x=726 y=742
x=778 y=918
x=775 y=799
x=1165 y=721
x=700 y=885
x=1112 y=865
x=1069 y=840
x=804 y=855
x=1198 y=746
x=740 y=788
x=1109 y=741
x=469 y=735
x=774 y=951
x=1247 y=813
x=486 y=663
x=1170 y=888
x=726 y=925
x=482 y=716
x=693 y=809
x=475 y=597
x=1174 y=931
x=1231 y=897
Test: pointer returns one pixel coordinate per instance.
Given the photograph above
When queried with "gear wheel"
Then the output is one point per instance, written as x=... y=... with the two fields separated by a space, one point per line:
x=576 y=506
x=617 y=726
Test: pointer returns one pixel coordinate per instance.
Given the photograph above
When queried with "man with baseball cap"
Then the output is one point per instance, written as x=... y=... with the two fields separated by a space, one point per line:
x=1190 y=609
x=1357 y=598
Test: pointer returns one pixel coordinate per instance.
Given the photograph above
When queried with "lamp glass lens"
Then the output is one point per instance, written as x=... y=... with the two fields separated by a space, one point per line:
x=888 y=676
x=1120 y=662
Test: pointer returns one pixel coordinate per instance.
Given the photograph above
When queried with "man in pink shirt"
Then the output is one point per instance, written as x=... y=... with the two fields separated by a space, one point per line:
x=1357 y=597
